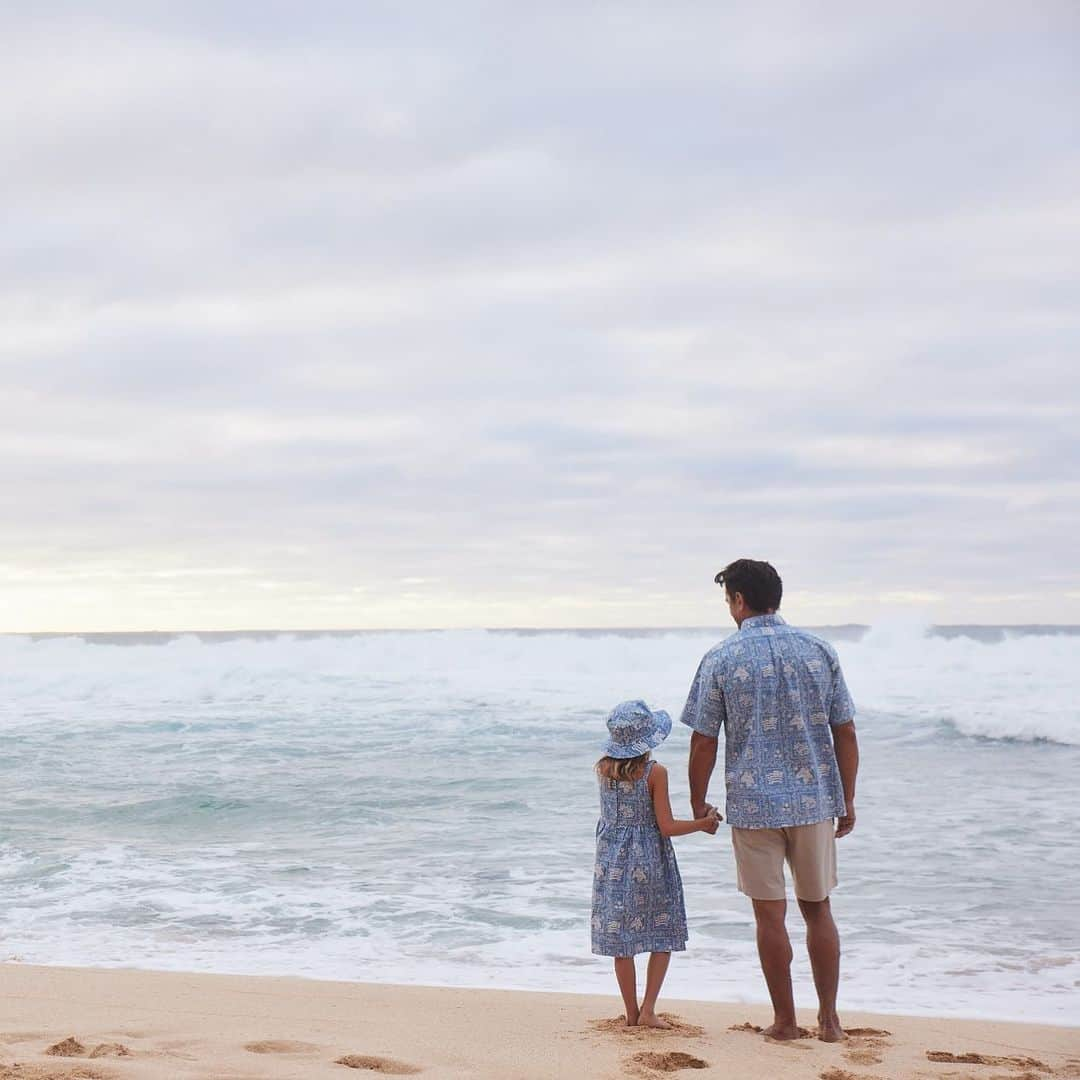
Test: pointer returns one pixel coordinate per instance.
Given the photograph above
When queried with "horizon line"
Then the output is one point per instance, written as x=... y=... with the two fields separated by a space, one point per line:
x=505 y=629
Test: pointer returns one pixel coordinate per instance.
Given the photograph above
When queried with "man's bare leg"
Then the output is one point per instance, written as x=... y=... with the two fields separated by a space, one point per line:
x=654 y=979
x=823 y=945
x=626 y=974
x=774 y=951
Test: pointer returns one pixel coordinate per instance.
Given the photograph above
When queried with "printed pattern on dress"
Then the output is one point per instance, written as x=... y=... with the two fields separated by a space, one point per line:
x=638 y=903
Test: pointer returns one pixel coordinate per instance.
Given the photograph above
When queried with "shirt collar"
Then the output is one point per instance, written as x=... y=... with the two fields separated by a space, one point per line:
x=763 y=620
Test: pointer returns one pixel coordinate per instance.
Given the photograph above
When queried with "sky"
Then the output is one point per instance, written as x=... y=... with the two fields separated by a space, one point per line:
x=340 y=314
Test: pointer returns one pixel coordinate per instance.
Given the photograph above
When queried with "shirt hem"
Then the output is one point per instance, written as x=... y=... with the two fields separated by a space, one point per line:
x=784 y=824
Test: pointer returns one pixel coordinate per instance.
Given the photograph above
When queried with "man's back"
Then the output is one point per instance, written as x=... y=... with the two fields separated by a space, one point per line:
x=776 y=690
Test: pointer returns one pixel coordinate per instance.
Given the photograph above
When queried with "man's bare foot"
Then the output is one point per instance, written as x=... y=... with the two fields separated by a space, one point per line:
x=650 y=1019
x=785 y=1032
x=830 y=1030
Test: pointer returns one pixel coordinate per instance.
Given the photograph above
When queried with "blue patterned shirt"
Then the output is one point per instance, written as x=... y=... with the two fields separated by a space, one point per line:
x=776 y=691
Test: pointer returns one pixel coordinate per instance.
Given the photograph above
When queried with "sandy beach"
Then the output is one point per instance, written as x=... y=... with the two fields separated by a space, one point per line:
x=90 y=1024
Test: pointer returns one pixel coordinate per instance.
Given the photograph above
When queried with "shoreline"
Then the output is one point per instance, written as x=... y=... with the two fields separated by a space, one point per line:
x=756 y=1002
x=154 y=1025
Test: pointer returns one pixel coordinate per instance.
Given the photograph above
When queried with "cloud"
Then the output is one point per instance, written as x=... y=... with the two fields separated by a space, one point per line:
x=494 y=315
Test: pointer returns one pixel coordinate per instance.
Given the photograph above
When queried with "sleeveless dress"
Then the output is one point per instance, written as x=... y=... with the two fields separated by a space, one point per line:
x=638 y=901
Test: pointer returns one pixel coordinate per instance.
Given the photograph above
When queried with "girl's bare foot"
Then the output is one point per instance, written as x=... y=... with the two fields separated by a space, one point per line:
x=650 y=1019
x=632 y=1019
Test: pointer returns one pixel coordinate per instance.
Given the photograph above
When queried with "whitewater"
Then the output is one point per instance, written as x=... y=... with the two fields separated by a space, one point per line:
x=419 y=808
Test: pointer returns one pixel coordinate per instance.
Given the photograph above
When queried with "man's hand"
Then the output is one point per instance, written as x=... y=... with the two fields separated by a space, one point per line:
x=712 y=821
x=701 y=809
x=845 y=824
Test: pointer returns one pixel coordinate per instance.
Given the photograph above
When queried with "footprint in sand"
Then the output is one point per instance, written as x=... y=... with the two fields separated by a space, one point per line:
x=110 y=1050
x=280 y=1046
x=973 y=1058
x=385 y=1065
x=71 y=1047
x=671 y=1061
x=863 y=1055
x=843 y=1074
x=865 y=1045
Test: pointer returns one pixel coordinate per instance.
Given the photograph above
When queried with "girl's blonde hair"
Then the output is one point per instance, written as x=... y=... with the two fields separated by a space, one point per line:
x=613 y=768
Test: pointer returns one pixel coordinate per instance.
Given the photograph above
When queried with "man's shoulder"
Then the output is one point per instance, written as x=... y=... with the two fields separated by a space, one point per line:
x=722 y=651
x=818 y=654
x=809 y=641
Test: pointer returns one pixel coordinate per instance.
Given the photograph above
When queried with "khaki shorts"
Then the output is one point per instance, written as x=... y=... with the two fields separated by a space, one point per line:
x=810 y=851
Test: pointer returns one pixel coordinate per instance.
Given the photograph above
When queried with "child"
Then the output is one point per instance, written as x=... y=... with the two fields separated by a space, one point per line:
x=637 y=892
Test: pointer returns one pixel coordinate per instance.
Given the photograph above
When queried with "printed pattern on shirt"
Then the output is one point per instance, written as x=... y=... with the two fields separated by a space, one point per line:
x=776 y=691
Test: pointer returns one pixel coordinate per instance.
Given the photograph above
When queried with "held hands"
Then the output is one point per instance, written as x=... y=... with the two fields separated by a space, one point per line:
x=845 y=824
x=709 y=816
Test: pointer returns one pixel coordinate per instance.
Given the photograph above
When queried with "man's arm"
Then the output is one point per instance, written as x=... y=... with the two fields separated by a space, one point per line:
x=846 y=745
x=665 y=821
x=845 y=742
x=702 y=761
x=705 y=713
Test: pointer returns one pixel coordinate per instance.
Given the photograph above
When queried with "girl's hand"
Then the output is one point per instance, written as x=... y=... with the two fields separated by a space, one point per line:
x=711 y=821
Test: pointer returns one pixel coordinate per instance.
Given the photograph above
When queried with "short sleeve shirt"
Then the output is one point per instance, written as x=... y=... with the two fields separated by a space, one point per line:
x=776 y=691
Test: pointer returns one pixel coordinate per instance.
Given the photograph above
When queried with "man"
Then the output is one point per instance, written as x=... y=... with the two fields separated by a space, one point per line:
x=791 y=760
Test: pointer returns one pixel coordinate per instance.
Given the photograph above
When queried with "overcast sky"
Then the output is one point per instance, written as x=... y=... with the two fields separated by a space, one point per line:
x=512 y=314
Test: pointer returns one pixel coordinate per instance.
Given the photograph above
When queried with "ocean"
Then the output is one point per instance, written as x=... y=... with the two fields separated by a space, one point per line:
x=420 y=808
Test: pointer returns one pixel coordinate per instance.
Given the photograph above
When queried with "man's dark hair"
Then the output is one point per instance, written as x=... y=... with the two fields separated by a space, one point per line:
x=758 y=582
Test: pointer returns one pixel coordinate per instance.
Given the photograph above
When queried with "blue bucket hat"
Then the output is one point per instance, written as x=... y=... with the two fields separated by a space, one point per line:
x=633 y=728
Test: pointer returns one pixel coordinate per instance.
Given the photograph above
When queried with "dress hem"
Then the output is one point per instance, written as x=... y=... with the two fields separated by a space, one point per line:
x=650 y=947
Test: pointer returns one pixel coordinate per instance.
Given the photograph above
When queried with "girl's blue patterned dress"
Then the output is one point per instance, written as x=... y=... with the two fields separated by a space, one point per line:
x=638 y=901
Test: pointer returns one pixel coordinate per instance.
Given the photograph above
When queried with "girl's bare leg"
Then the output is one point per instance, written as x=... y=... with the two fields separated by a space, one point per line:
x=626 y=973
x=658 y=965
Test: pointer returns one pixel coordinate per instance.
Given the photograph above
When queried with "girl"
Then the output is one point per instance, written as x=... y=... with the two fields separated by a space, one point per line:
x=637 y=892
